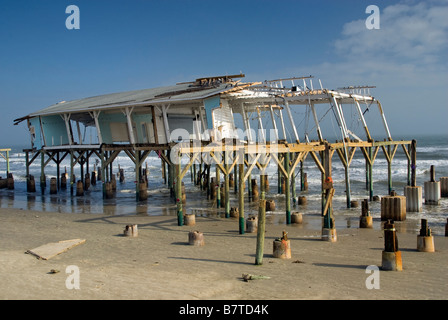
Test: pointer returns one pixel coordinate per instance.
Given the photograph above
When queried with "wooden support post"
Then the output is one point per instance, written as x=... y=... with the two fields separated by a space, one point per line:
x=42 y=171
x=241 y=196
x=58 y=161
x=371 y=174
x=72 y=173
x=279 y=179
x=180 y=221
x=260 y=232
x=226 y=185
x=207 y=177
x=235 y=173
x=249 y=185
x=218 y=188
x=137 y=175
x=412 y=192
x=288 y=189
x=163 y=167
x=389 y=170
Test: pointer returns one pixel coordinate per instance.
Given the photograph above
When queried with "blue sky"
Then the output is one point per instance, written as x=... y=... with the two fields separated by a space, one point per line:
x=128 y=45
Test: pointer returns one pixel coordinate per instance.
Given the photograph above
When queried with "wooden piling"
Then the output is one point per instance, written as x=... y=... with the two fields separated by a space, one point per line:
x=180 y=216
x=31 y=184
x=87 y=181
x=108 y=191
x=142 y=191
x=444 y=187
x=446 y=228
x=226 y=185
x=63 y=181
x=255 y=192
x=391 y=256
x=270 y=205
x=79 y=188
x=288 y=189
x=260 y=232
x=366 y=220
x=241 y=197
x=53 y=186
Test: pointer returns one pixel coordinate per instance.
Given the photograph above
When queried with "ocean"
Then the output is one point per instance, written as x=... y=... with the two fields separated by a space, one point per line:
x=431 y=150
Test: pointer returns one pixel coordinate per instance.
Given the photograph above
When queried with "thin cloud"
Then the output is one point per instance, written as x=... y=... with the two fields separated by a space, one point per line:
x=409 y=33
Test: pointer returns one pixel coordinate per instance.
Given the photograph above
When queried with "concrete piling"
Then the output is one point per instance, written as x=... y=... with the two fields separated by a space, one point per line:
x=425 y=240
x=432 y=189
x=393 y=207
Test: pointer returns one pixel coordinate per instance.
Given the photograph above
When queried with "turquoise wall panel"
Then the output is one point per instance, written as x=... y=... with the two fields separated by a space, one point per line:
x=37 y=139
x=210 y=104
x=104 y=121
x=55 y=131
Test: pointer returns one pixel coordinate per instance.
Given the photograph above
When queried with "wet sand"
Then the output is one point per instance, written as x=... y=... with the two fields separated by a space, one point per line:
x=159 y=263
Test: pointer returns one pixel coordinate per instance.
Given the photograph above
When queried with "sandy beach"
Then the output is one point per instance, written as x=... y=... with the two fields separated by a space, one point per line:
x=160 y=265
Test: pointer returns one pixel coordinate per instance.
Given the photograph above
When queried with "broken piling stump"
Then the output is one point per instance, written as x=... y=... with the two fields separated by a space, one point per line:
x=282 y=247
x=31 y=184
x=53 y=186
x=251 y=224
x=79 y=188
x=234 y=212
x=10 y=181
x=255 y=193
x=425 y=240
x=444 y=187
x=190 y=219
x=196 y=238
x=86 y=181
x=131 y=230
x=296 y=217
x=270 y=205
x=366 y=220
x=142 y=191
x=391 y=256
x=109 y=193
x=63 y=181
x=302 y=200
x=354 y=204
